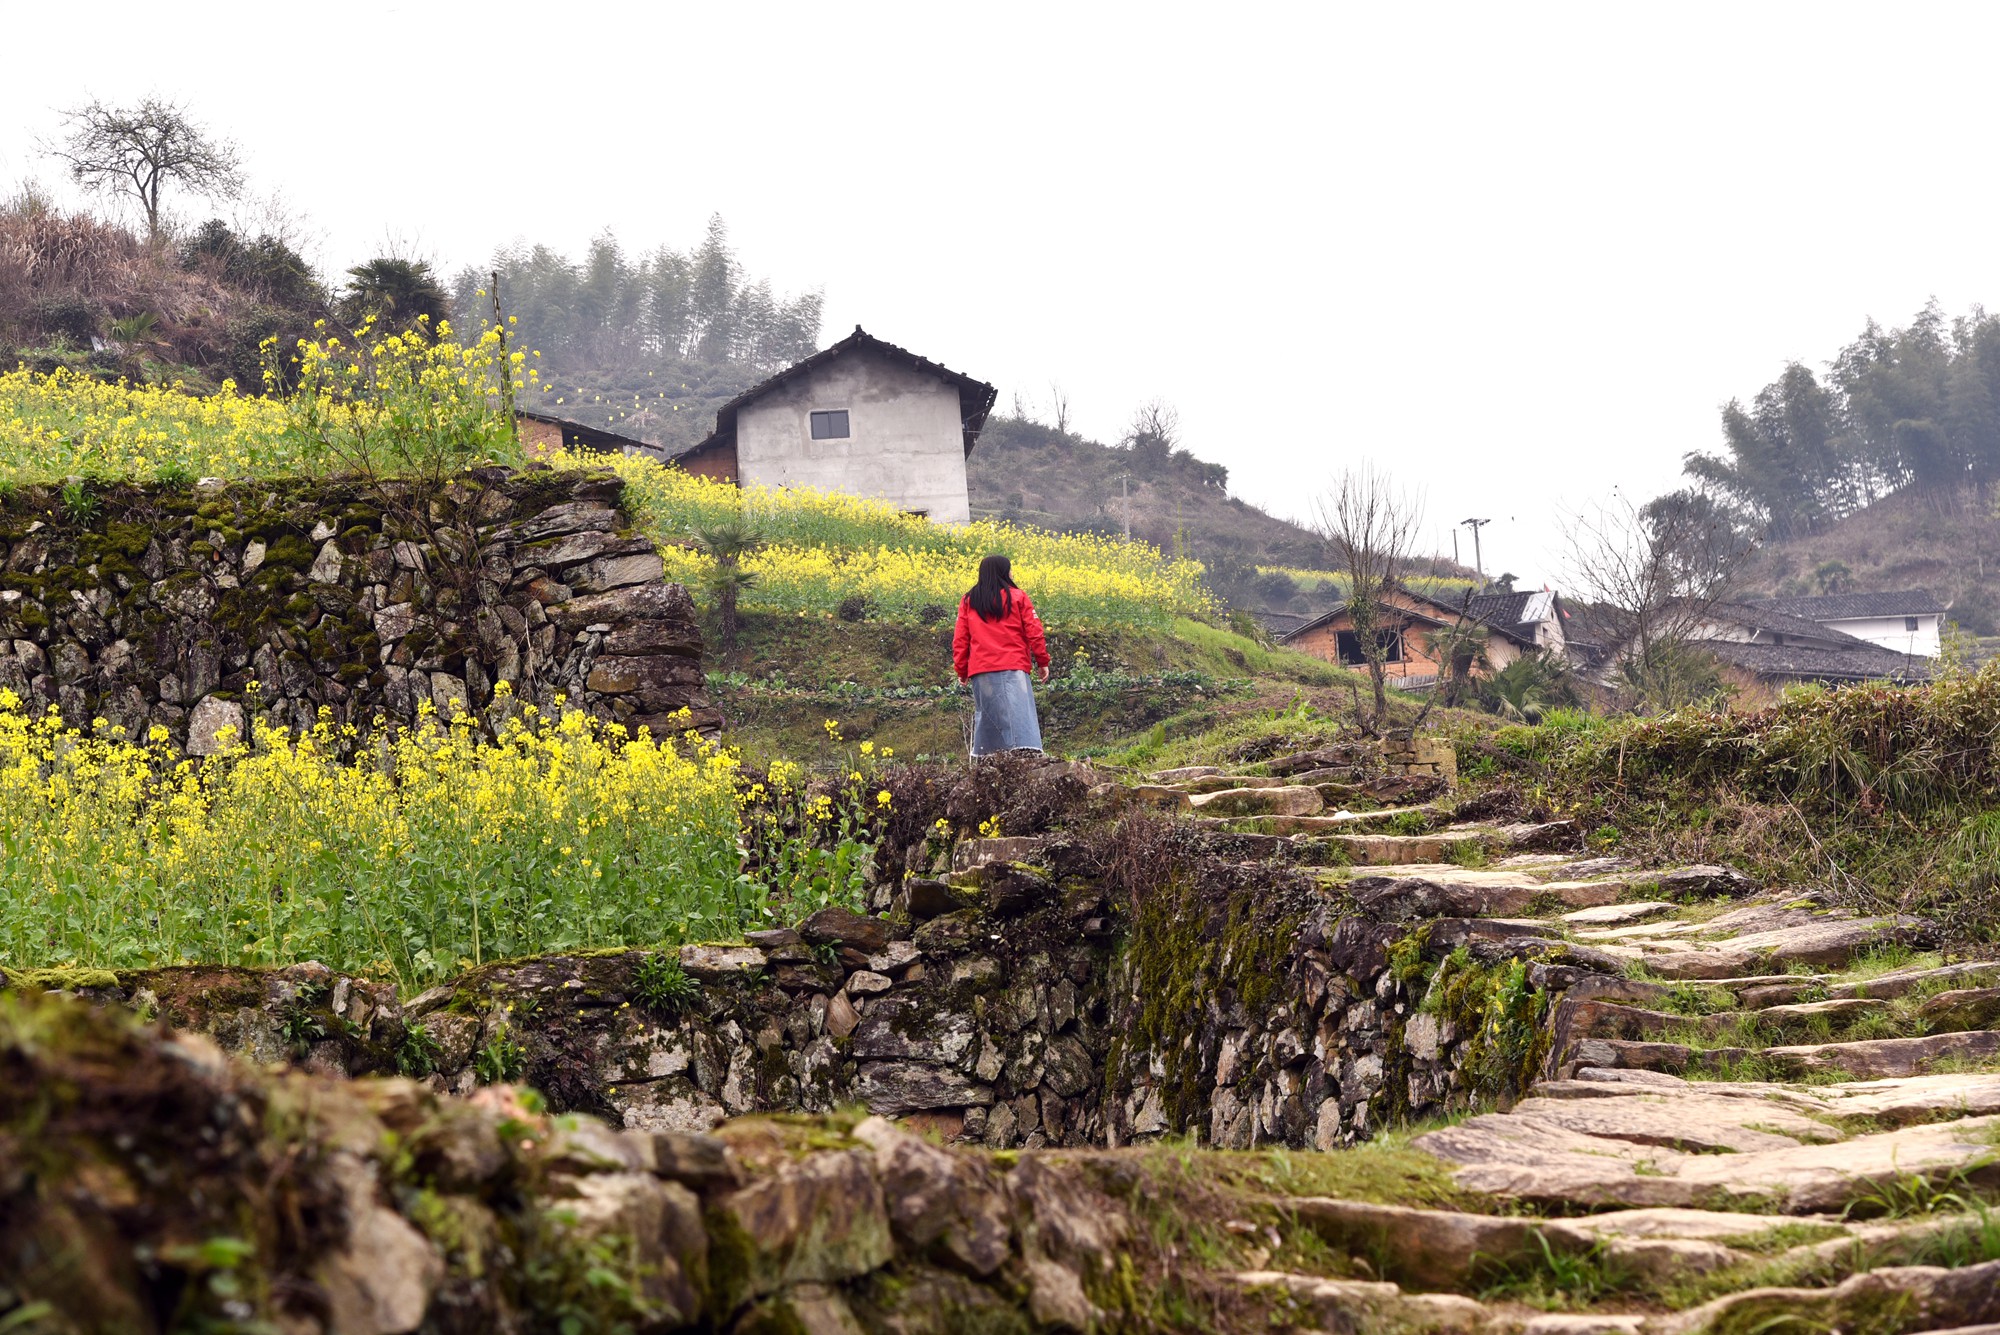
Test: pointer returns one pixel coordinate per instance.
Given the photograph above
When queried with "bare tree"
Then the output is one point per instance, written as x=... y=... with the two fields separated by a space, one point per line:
x=136 y=152
x=1655 y=575
x=1156 y=424
x=1059 y=408
x=1369 y=526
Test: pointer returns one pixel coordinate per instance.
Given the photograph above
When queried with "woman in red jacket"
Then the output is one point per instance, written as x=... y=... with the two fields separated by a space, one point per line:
x=997 y=642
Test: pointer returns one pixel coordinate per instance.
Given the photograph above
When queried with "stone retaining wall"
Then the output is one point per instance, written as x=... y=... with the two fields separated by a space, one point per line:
x=159 y=607
x=997 y=1005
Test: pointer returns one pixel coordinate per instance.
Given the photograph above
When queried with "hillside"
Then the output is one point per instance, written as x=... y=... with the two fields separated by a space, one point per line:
x=1027 y=472
x=1906 y=541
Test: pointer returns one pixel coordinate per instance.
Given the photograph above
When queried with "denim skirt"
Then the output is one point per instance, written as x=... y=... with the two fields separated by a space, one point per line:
x=1003 y=713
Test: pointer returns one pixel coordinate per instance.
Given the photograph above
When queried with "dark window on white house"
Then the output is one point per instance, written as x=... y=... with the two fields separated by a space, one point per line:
x=830 y=425
x=1909 y=623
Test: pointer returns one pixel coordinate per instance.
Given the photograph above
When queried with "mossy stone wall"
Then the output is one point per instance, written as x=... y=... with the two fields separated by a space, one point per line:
x=194 y=608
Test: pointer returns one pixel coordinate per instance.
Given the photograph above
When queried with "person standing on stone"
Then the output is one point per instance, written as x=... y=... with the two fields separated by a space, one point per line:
x=997 y=643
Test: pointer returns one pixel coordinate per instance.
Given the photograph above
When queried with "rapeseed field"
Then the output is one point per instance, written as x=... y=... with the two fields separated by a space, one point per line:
x=409 y=855
x=403 y=403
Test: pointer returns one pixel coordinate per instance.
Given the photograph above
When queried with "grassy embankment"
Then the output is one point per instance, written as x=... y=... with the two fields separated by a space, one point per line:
x=1885 y=797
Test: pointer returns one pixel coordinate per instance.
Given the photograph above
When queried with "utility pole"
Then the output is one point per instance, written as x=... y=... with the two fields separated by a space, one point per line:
x=1478 y=565
x=1125 y=487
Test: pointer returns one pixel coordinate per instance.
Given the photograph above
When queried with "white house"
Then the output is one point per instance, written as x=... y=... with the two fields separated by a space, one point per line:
x=864 y=417
x=1909 y=622
x=1531 y=619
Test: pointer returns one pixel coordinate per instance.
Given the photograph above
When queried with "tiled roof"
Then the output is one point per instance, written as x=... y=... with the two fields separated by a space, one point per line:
x=975 y=397
x=1763 y=616
x=1805 y=662
x=588 y=436
x=1845 y=606
x=1503 y=609
x=1281 y=623
x=1517 y=613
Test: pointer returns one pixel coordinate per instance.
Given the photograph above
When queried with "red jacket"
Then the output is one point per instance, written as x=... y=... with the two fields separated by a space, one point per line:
x=1013 y=642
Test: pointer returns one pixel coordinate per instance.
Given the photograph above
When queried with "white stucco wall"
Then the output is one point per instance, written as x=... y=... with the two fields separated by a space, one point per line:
x=1889 y=632
x=905 y=444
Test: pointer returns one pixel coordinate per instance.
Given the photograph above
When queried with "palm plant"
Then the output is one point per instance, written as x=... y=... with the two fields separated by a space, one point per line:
x=1458 y=649
x=727 y=544
x=135 y=329
x=394 y=293
x=1527 y=687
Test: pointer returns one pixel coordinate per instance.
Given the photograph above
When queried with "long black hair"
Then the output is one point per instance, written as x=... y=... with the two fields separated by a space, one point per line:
x=989 y=596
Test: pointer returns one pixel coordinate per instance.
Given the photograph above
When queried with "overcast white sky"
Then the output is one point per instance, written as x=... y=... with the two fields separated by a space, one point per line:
x=1516 y=254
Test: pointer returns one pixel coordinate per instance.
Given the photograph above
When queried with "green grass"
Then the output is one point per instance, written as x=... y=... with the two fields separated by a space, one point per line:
x=1886 y=959
x=1559 y=1279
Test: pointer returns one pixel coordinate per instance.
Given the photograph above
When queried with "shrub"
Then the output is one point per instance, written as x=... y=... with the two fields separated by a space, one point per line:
x=66 y=317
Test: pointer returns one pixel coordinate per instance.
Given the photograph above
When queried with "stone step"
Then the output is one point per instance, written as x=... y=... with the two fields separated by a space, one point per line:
x=1286 y=800
x=1352 y=1305
x=1184 y=773
x=1820 y=942
x=1325 y=823
x=1981 y=973
x=1580 y=1018
x=1877 y=1104
x=1963 y=1008
x=1215 y=783
x=1656 y=1143
x=1452 y=1249
x=1436 y=846
x=1928 y=1298
x=1865 y=1059
x=1392 y=850
x=1427 y=891
x=1619 y=915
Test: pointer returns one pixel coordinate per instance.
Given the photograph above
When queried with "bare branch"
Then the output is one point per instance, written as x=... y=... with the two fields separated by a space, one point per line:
x=1370 y=526
x=1656 y=574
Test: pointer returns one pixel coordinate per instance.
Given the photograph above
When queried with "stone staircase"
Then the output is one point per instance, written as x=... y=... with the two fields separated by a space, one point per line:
x=1741 y=1088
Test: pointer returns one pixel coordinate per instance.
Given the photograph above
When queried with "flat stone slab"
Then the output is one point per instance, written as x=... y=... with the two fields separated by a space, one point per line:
x=1866 y=1059
x=1985 y=973
x=1535 y=1160
x=1921 y=1298
x=972 y=854
x=1365 y=1305
x=1215 y=783
x=1912 y=1099
x=1455 y=1249
x=1432 y=1248
x=1386 y=850
x=1962 y=1008
x=1692 y=1120
x=1902 y=1101
x=1874 y=1059
x=1295 y=800
x=1822 y=943
x=1471 y=894
x=1618 y=915
x=713 y=962
x=1723 y=1226
x=1183 y=774
x=1324 y=823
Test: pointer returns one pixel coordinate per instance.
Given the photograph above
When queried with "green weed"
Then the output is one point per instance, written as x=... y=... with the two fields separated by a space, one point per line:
x=661 y=985
x=1558 y=1279
x=502 y=1059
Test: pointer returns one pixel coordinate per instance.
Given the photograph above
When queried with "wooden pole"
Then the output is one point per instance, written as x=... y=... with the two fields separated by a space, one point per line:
x=506 y=366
